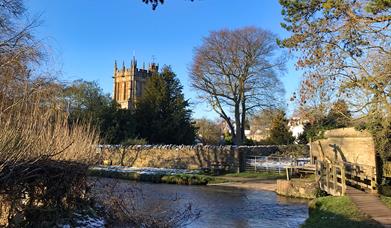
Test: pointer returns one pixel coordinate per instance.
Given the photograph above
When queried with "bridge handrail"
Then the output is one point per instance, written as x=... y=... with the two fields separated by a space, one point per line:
x=331 y=175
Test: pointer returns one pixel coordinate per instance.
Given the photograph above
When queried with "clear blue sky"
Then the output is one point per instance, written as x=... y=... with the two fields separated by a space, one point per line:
x=86 y=36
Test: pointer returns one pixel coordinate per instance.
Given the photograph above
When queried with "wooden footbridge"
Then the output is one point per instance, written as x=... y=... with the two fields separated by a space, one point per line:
x=334 y=177
x=358 y=182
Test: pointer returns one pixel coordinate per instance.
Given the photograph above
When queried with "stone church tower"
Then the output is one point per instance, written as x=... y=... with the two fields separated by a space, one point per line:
x=129 y=83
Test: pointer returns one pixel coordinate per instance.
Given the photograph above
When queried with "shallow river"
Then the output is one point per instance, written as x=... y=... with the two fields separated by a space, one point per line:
x=224 y=207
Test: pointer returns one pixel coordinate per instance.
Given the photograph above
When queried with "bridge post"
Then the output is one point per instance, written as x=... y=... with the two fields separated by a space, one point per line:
x=373 y=179
x=327 y=177
x=287 y=173
x=255 y=163
x=343 y=179
x=334 y=173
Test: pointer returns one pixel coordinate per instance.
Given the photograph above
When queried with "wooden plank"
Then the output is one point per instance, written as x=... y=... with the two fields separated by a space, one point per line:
x=361 y=176
x=365 y=186
x=371 y=205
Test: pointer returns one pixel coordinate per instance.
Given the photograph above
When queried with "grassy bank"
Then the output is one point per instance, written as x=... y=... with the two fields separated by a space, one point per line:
x=331 y=211
x=184 y=179
x=386 y=200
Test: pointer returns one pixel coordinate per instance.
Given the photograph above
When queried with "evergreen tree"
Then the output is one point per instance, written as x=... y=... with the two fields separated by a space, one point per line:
x=279 y=132
x=162 y=114
x=116 y=125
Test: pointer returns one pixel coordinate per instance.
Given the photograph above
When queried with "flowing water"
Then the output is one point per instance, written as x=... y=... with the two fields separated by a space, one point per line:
x=224 y=207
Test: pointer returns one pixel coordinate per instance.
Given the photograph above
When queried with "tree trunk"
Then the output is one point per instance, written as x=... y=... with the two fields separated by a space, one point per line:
x=243 y=123
x=238 y=137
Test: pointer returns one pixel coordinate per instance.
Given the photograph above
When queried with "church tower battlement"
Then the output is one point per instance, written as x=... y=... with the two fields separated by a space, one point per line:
x=129 y=83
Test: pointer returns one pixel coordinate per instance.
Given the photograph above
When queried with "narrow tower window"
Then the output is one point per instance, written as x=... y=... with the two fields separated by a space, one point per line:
x=124 y=90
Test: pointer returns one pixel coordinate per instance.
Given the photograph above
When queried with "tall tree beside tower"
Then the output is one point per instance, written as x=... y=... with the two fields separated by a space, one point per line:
x=162 y=114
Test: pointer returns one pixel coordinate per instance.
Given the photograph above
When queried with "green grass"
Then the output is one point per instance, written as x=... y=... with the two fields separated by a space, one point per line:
x=331 y=211
x=187 y=179
x=184 y=179
x=258 y=175
x=156 y=178
x=386 y=200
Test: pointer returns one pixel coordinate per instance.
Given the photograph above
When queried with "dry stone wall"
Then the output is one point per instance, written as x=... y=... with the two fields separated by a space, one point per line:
x=190 y=157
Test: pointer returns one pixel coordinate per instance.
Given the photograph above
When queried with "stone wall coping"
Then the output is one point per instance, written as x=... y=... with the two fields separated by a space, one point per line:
x=346 y=133
x=192 y=147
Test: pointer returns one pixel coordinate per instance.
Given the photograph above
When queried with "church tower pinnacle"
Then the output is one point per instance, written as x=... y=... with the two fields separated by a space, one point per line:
x=129 y=84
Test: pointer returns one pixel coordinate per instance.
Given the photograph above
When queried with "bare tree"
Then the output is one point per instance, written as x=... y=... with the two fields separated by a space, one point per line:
x=236 y=72
x=39 y=150
x=344 y=48
x=208 y=131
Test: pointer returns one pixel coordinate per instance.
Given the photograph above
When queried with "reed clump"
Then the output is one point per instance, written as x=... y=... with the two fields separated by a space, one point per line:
x=43 y=158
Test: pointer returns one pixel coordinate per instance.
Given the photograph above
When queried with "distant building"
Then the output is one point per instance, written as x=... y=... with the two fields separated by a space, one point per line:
x=129 y=83
x=257 y=134
x=223 y=126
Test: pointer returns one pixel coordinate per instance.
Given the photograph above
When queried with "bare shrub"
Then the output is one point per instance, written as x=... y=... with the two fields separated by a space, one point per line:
x=43 y=160
x=33 y=128
x=45 y=192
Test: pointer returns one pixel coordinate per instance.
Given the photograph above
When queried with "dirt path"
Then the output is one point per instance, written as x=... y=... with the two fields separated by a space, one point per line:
x=371 y=205
x=249 y=183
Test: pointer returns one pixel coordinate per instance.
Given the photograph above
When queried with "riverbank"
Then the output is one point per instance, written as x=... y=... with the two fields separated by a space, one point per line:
x=161 y=176
x=336 y=211
x=305 y=188
x=259 y=181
